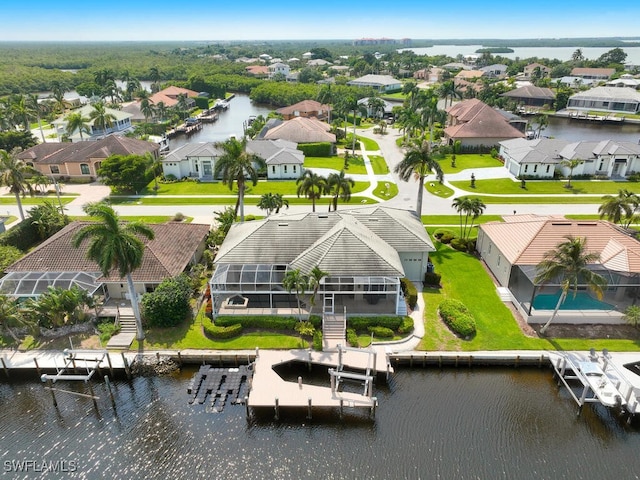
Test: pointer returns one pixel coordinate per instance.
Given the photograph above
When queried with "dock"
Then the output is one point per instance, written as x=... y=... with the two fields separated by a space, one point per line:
x=269 y=390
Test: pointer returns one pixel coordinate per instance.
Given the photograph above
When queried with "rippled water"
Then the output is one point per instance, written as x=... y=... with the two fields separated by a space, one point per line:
x=461 y=424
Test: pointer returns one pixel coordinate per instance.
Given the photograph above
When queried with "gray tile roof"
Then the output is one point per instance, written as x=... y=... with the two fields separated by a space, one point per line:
x=531 y=91
x=276 y=152
x=201 y=149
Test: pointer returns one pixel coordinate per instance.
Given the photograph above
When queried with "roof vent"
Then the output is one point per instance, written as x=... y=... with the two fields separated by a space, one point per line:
x=323 y=216
x=283 y=224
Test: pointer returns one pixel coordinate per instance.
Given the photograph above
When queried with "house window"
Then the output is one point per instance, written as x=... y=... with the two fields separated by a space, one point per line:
x=84 y=168
x=601 y=165
x=294 y=169
x=55 y=169
x=548 y=168
x=285 y=169
x=526 y=167
x=273 y=169
x=535 y=168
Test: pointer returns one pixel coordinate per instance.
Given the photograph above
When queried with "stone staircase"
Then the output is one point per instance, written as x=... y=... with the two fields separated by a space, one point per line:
x=334 y=330
x=123 y=340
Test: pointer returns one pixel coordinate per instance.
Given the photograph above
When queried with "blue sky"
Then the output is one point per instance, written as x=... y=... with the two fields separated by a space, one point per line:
x=65 y=20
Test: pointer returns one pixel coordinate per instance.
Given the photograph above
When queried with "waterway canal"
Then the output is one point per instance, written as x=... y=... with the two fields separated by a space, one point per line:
x=449 y=424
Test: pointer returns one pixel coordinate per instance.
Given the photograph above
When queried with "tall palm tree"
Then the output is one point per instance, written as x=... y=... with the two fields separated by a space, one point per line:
x=620 y=208
x=155 y=76
x=161 y=111
x=418 y=162
x=449 y=90
x=77 y=122
x=101 y=117
x=376 y=106
x=295 y=280
x=146 y=108
x=568 y=264
x=23 y=110
x=59 y=101
x=472 y=208
x=339 y=186
x=181 y=105
x=312 y=186
x=571 y=165
x=38 y=109
x=315 y=279
x=15 y=174
x=115 y=245
x=236 y=165
x=541 y=121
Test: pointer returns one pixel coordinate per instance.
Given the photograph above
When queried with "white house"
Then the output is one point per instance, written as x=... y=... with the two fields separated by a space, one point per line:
x=193 y=160
x=278 y=68
x=120 y=123
x=283 y=159
x=381 y=83
x=607 y=99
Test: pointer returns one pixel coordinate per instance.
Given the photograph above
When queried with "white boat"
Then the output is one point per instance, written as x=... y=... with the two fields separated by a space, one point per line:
x=601 y=385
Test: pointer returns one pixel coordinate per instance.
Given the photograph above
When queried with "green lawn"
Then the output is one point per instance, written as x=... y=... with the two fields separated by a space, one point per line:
x=538 y=199
x=467 y=161
x=369 y=144
x=436 y=188
x=455 y=219
x=11 y=200
x=293 y=200
x=356 y=165
x=386 y=190
x=506 y=186
x=379 y=165
x=464 y=278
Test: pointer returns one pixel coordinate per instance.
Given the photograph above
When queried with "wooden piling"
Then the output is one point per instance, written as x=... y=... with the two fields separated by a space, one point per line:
x=53 y=395
x=95 y=403
x=517 y=361
x=179 y=359
x=108 y=385
x=4 y=367
x=341 y=408
x=110 y=365
x=277 y=409
x=126 y=365
x=35 y=360
x=309 y=408
x=246 y=407
x=470 y=360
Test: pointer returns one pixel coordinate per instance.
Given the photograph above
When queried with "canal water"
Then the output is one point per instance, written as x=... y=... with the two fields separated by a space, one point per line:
x=449 y=424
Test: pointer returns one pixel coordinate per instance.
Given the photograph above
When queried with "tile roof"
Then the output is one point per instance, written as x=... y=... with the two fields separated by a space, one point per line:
x=609 y=93
x=475 y=119
x=86 y=112
x=167 y=255
x=78 y=152
x=374 y=79
x=531 y=91
x=526 y=242
x=169 y=95
x=582 y=71
x=199 y=149
x=305 y=106
x=540 y=150
x=276 y=152
x=302 y=130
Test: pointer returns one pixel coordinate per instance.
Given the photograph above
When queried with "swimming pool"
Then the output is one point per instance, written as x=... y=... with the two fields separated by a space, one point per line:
x=582 y=301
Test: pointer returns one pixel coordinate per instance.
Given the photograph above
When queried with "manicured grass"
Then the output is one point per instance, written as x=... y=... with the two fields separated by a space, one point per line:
x=499 y=199
x=378 y=164
x=283 y=187
x=385 y=190
x=455 y=219
x=11 y=200
x=230 y=200
x=464 y=279
x=369 y=144
x=190 y=335
x=10 y=219
x=142 y=218
x=356 y=165
x=436 y=188
x=507 y=186
x=467 y=161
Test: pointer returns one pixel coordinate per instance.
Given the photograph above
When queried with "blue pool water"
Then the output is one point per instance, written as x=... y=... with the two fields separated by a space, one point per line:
x=581 y=301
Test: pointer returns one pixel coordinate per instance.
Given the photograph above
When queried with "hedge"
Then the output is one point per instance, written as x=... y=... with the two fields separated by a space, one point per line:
x=381 y=332
x=352 y=338
x=406 y=326
x=258 y=321
x=317 y=340
x=432 y=279
x=360 y=324
x=457 y=317
x=217 y=332
x=321 y=149
x=410 y=292
x=23 y=236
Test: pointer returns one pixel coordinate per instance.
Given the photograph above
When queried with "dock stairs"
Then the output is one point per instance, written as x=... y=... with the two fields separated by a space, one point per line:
x=127 y=321
x=334 y=329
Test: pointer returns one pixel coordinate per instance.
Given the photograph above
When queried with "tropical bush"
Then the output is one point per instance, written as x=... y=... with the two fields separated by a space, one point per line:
x=107 y=329
x=317 y=340
x=457 y=317
x=410 y=292
x=218 y=332
x=406 y=326
x=8 y=255
x=352 y=338
x=432 y=279
x=168 y=304
x=381 y=332
x=258 y=321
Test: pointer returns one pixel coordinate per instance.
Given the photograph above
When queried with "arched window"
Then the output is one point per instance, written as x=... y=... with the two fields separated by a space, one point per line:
x=84 y=169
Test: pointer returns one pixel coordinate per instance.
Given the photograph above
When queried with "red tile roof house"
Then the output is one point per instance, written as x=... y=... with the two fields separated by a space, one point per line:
x=169 y=96
x=476 y=124
x=305 y=108
x=302 y=130
x=512 y=249
x=175 y=247
x=81 y=160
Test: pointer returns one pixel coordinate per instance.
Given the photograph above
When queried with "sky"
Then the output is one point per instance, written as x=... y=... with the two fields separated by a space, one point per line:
x=132 y=20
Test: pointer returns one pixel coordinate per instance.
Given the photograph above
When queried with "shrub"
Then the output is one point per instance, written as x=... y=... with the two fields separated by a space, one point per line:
x=406 y=326
x=316 y=321
x=352 y=338
x=410 y=292
x=360 y=324
x=23 y=236
x=178 y=217
x=381 y=332
x=323 y=149
x=459 y=244
x=317 y=340
x=107 y=329
x=305 y=329
x=259 y=321
x=457 y=317
x=634 y=177
x=432 y=279
x=218 y=332
x=168 y=304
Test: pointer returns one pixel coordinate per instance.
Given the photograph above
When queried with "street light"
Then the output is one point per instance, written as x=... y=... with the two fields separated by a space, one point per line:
x=57 y=187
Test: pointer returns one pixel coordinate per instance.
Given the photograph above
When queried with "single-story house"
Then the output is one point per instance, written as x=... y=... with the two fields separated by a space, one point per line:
x=542 y=157
x=305 y=108
x=606 y=99
x=55 y=262
x=81 y=160
x=626 y=80
x=318 y=62
x=169 y=96
x=474 y=123
x=302 y=130
x=589 y=73
x=364 y=251
x=121 y=124
x=192 y=160
x=259 y=71
x=512 y=250
x=576 y=82
x=381 y=83
x=283 y=159
x=468 y=75
x=497 y=70
x=532 y=96
x=430 y=75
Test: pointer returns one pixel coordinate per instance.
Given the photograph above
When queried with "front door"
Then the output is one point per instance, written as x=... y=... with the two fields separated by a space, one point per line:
x=206 y=169
x=328 y=304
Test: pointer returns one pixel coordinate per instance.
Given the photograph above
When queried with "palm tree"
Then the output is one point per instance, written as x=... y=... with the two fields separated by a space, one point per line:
x=271 y=202
x=181 y=105
x=14 y=173
x=620 y=207
x=146 y=108
x=312 y=186
x=23 y=110
x=541 y=121
x=376 y=106
x=76 y=121
x=298 y=281
x=568 y=264
x=101 y=118
x=472 y=207
x=161 y=111
x=449 y=90
x=339 y=186
x=327 y=97
x=418 y=162
x=571 y=165
x=38 y=109
x=11 y=317
x=115 y=245
x=155 y=76
x=315 y=279
x=237 y=165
